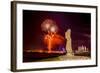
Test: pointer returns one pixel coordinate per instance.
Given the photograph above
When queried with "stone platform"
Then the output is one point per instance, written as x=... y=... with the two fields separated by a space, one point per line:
x=65 y=57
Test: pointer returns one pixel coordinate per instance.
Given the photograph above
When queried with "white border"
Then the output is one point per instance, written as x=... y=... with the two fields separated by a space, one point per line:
x=34 y=65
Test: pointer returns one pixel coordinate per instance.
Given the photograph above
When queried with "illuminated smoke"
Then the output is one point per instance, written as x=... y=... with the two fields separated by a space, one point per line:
x=49 y=26
x=51 y=39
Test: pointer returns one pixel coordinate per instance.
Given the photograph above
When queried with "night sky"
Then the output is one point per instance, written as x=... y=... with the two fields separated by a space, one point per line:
x=79 y=23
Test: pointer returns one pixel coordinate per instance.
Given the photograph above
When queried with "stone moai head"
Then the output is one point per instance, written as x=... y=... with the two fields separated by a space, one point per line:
x=68 y=34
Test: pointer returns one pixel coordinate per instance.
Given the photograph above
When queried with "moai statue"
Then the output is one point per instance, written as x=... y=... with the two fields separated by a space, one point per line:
x=69 y=43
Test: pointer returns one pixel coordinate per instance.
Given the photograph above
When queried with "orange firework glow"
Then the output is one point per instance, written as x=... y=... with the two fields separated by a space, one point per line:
x=52 y=40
